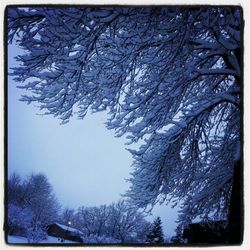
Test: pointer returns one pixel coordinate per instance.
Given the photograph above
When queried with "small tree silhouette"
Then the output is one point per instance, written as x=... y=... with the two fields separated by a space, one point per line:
x=155 y=235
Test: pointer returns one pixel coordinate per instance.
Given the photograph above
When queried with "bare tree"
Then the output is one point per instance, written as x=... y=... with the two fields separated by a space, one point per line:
x=116 y=221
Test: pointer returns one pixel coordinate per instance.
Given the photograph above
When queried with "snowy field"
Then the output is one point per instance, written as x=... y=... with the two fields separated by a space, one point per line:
x=49 y=240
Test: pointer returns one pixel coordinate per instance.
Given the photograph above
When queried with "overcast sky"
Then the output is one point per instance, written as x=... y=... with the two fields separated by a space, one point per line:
x=83 y=161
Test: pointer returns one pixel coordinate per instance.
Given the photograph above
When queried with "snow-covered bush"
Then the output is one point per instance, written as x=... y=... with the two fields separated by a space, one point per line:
x=36 y=233
x=19 y=219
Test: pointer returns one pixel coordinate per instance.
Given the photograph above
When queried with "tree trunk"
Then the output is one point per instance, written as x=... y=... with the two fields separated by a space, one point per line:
x=236 y=211
x=235 y=218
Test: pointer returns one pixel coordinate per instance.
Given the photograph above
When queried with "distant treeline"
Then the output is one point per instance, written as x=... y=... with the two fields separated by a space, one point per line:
x=32 y=206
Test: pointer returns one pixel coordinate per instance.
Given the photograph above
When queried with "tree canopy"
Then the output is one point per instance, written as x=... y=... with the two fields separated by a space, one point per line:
x=32 y=205
x=169 y=77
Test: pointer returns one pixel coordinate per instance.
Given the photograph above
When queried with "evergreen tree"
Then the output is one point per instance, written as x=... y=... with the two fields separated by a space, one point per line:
x=155 y=235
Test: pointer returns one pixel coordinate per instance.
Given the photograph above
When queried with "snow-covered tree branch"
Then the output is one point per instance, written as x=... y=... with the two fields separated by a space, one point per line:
x=168 y=77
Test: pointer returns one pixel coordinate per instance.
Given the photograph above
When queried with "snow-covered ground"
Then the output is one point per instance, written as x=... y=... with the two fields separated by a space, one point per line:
x=49 y=240
x=92 y=239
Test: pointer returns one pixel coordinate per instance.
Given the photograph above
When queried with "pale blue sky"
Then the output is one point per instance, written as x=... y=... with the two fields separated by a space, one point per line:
x=83 y=161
